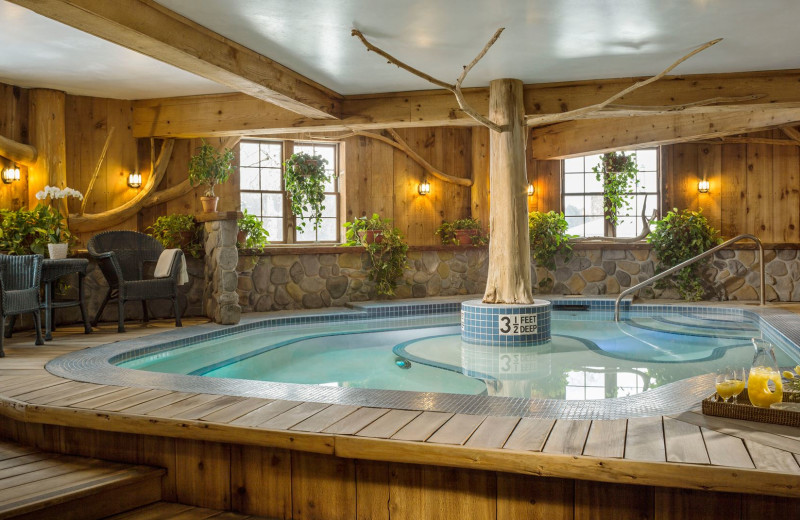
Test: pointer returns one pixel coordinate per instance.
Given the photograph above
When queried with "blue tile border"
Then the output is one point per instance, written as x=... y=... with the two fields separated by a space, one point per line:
x=94 y=365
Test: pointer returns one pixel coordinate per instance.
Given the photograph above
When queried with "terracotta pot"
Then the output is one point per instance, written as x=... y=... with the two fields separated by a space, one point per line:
x=241 y=236
x=370 y=236
x=185 y=238
x=209 y=204
x=464 y=236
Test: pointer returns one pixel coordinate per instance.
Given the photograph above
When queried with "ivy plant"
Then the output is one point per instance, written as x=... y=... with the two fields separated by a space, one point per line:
x=677 y=237
x=305 y=177
x=388 y=256
x=549 y=237
x=178 y=231
x=256 y=237
x=619 y=174
x=447 y=231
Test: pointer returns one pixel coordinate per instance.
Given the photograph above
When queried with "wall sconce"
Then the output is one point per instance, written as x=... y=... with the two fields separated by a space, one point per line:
x=10 y=175
x=424 y=187
x=703 y=186
x=135 y=180
x=531 y=190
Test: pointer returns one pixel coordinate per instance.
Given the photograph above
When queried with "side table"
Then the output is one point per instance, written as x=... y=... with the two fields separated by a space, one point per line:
x=52 y=270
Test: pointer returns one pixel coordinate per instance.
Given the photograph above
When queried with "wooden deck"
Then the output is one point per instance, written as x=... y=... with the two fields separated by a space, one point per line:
x=688 y=450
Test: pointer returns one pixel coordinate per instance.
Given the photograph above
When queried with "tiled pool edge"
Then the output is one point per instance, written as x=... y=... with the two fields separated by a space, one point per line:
x=93 y=366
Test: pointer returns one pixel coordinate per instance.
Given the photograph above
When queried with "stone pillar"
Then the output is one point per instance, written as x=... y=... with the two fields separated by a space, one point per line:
x=220 y=300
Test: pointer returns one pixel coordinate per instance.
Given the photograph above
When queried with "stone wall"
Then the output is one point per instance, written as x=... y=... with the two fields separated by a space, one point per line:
x=310 y=281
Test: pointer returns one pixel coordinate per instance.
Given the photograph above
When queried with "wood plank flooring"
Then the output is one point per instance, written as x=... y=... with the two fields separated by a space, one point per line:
x=679 y=449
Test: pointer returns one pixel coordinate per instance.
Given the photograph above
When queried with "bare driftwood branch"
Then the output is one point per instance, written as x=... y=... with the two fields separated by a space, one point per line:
x=624 y=240
x=96 y=171
x=454 y=88
x=650 y=109
x=92 y=222
x=577 y=113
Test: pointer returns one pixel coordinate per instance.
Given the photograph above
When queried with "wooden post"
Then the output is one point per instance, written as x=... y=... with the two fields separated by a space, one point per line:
x=46 y=118
x=509 y=278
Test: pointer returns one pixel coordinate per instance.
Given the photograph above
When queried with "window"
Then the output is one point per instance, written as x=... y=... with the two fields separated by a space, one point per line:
x=583 y=196
x=263 y=194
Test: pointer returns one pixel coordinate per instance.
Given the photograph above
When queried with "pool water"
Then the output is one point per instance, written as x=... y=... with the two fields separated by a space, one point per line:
x=590 y=356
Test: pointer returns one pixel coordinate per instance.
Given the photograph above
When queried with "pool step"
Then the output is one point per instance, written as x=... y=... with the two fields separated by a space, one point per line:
x=170 y=510
x=691 y=327
x=35 y=484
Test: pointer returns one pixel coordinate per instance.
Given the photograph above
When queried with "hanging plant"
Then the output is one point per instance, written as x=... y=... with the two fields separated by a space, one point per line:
x=618 y=173
x=677 y=237
x=304 y=177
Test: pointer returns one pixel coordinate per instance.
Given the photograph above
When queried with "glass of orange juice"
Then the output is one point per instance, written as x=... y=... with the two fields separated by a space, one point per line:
x=730 y=383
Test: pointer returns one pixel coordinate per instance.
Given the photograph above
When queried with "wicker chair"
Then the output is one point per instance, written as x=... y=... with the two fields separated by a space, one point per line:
x=20 y=278
x=121 y=256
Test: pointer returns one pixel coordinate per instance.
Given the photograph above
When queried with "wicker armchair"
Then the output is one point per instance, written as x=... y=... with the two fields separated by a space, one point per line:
x=20 y=277
x=121 y=256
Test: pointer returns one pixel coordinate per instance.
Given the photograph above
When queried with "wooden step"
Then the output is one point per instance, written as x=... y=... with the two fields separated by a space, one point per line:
x=36 y=484
x=169 y=510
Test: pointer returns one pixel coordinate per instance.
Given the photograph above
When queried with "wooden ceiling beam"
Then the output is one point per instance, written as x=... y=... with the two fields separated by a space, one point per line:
x=575 y=138
x=151 y=29
x=235 y=114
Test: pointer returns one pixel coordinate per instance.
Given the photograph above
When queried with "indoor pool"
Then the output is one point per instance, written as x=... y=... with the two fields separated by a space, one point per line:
x=590 y=356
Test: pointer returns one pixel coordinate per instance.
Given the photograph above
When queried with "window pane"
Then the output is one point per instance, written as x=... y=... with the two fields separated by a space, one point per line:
x=271 y=155
x=595 y=227
x=592 y=184
x=648 y=181
x=330 y=183
x=595 y=393
x=647 y=160
x=573 y=205
x=273 y=204
x=629 y=206
x=327 y=231
x=249 y=178
x=252 y=203
x=573 y=182
x=575 y=226
x=330 y=206
x=626 y=227
x=574 y=165
x=594 y=205
x=271 y=179
x=275 y=228
x=248 y=154
x=592 y=161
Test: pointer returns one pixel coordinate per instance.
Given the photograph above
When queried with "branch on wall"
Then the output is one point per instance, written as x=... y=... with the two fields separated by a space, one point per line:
x=112 y=217
x=404 y=147
x=96 y=172
x=454 y=88
x=585 y=111
x=24 y=154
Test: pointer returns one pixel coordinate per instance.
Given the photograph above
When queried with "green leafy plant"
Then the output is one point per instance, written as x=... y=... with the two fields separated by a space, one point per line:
x=178 y=232
x=256 y=237
x=210 y=167
x=548 y=234
x=448 y=232
x=305 y=177
x=387 y=255
x=677 y=237
x=618 y=173
x=23 y=231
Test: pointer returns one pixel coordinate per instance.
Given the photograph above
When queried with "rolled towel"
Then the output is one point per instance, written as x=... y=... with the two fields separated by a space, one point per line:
x=165 y=262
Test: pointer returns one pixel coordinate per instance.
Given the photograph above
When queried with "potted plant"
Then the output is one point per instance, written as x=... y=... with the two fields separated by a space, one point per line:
x=618 y=173
x=49 y=219
x=304 y=177
x=387 y=250
x=252 y=234
x=548 y=235
x=178 y=232
x=463 y=231
x=677 y=237
x=209 y=168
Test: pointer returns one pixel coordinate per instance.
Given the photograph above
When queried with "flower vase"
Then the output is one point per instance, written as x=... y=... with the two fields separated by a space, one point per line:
x=57 y=251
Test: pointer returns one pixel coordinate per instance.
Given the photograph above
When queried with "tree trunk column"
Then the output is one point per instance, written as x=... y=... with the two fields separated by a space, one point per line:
x=509 y=278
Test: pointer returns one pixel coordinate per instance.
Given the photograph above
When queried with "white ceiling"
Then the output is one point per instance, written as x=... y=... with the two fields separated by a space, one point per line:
x=544 y=41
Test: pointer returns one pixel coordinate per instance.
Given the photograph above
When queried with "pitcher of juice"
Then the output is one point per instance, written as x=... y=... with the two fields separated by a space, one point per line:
x=763 y=372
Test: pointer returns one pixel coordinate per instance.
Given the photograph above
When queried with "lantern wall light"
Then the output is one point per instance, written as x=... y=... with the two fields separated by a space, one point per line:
x=135 y=180
x=11 y=174
x=531 y=190
x=703 y=186
x=424 y=187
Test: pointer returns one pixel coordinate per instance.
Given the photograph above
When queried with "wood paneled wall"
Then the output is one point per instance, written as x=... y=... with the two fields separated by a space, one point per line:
x=14 y=125
x=754 y=188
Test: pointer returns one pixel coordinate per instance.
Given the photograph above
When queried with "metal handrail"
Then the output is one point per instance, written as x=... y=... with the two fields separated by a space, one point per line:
x=693 y=260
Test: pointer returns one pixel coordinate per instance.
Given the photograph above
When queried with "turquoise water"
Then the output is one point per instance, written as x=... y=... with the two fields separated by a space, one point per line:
x=589 y=357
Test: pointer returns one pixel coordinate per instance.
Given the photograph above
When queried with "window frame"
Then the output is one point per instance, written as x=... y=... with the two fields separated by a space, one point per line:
x=608 y=230
x=288 y=220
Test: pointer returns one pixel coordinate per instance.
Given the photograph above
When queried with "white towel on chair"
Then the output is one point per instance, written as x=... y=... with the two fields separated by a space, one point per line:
x=165 y=262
